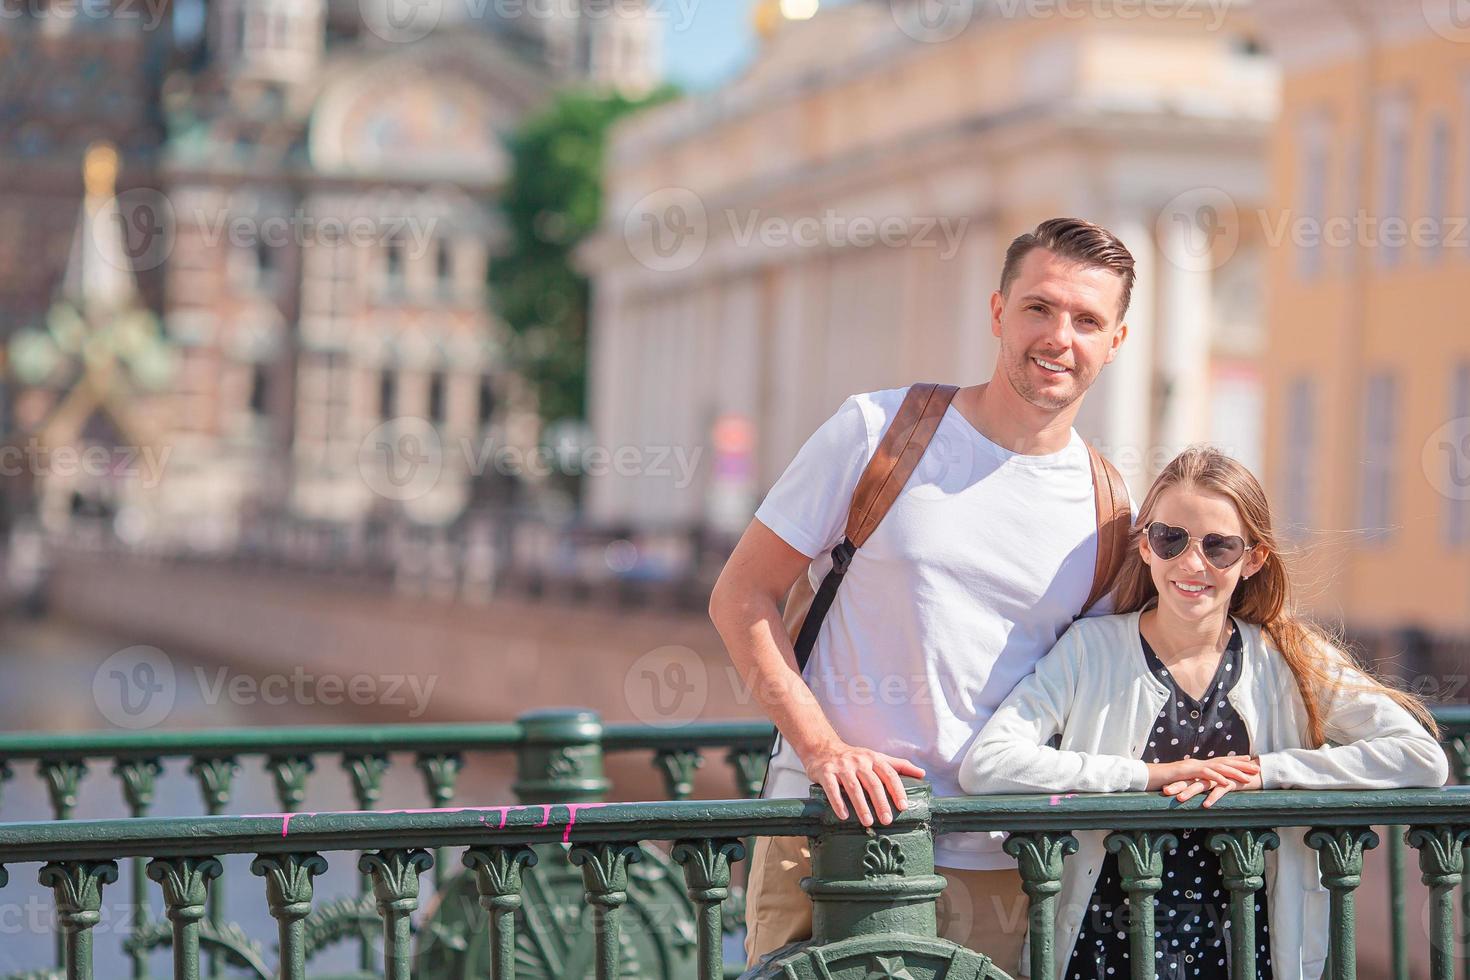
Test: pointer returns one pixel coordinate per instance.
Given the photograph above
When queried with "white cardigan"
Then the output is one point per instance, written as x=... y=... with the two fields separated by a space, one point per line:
x=1094 y=689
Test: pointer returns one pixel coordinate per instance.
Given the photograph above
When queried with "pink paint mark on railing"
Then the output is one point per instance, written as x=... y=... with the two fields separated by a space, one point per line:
x=1057 y=800
x=483 y=811
x=572 y=809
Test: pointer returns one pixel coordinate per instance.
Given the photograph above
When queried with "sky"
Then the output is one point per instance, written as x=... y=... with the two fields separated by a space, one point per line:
x=707 y=42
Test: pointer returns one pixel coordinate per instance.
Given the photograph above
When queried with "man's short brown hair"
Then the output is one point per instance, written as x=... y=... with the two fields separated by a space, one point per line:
x=1075 y=239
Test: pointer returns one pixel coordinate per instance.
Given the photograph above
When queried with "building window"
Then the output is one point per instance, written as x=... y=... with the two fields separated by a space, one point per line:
x=324 y=405
x=444 y=267
x=1441 y=151
x=1456 y=449
x=1300 y=450
x=259 y=388
x=387 y=393
x=436 y=397
x=267 y=260
x=1393 y=171
x=393 y=266
x=1465 y=145
x=1311 y=191
x=486 y=409
x=1380 y=430
x=1247 y=46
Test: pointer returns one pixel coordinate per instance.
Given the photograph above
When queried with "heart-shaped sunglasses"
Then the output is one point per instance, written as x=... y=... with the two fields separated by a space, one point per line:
x=1169 y=542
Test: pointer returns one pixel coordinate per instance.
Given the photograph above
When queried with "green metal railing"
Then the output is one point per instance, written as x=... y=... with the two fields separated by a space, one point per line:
x=874 y=890
x=558 y=757
x=524 y=889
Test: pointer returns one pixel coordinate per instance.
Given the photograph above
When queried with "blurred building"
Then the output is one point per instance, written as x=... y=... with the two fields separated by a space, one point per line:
x=834 y=221
x=1369 y=356
x=307 y=199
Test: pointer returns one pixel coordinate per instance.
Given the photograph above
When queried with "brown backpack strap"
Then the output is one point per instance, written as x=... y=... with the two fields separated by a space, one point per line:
x=1114 y=520
x=893 y=462
x=898 y=453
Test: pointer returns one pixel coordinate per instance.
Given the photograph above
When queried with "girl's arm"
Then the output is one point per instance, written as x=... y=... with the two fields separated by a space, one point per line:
x=1010 y=754
x=1378 y=744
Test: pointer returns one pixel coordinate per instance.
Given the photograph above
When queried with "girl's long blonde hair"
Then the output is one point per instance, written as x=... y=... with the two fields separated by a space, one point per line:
x=1263 y=599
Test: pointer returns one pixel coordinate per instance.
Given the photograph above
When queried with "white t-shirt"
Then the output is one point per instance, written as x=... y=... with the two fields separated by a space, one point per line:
x=982 y=562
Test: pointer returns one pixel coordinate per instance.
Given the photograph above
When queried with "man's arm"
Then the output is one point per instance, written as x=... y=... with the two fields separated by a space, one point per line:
x=745 y=607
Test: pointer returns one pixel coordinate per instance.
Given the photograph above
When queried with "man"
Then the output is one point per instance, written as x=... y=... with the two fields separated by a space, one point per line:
x=979 y=566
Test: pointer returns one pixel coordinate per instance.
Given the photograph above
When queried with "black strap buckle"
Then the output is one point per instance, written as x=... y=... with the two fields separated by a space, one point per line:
x=842 y=556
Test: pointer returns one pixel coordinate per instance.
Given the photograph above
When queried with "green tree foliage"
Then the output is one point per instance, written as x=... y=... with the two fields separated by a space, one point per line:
x=552 y=200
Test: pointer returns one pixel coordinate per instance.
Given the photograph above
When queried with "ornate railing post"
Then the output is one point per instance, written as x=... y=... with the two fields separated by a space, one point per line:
x=707 y=874
x=1141 y=863
x=441 y=773
x=498 y=881
x=185 y=882
x=1398 y=913
x=396 y=887
x=677 y=766
x=139 y=781
x=605 y=873
x=750 y=769
x=1459 y=753
x=1341 y=856
x=288 y=892
x=63 y=779
x=1039 y=855
x=289 y=773
x=560 y=758
x=366 y=771
x=1442 y=864
x=216 y=775
x=1243 y=865
x=873 y=894
x=77 y=886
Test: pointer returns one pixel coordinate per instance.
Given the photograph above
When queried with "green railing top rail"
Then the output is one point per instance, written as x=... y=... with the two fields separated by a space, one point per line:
x=279 y=833
x=439 y=736
x=363 y=739
x=1453 y=718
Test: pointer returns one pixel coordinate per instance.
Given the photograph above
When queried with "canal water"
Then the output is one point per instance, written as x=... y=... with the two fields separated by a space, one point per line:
x=55 y=676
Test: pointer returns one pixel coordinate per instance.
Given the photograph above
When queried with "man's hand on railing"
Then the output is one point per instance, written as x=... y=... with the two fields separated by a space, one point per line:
x=848 y=772
x=1187 y=778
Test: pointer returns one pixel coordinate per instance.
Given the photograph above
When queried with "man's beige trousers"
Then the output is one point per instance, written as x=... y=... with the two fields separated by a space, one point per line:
x=983 y=910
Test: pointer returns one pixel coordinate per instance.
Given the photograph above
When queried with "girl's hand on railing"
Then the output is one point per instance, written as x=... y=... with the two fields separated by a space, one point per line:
x=1187 y=778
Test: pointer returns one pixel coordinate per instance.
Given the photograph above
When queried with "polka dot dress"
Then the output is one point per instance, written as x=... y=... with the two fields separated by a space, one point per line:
x=1192 y=910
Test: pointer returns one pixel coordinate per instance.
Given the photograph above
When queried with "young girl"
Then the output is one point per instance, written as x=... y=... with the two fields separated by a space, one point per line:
x=1203 y=682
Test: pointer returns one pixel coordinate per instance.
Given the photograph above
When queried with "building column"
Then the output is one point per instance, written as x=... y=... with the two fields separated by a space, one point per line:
x=1116 y=414
x=1185 y=314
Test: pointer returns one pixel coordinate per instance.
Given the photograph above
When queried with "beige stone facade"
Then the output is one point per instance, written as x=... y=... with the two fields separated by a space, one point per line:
x=1369 y=368
x=834 y=221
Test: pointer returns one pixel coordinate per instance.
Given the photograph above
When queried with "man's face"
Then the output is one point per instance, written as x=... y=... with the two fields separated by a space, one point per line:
x=1057 y=327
